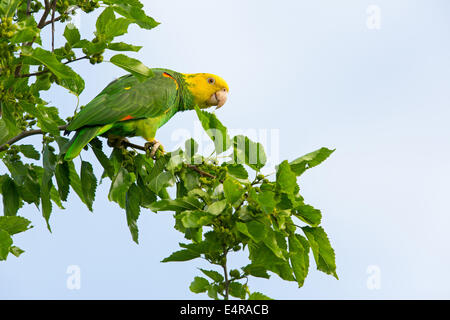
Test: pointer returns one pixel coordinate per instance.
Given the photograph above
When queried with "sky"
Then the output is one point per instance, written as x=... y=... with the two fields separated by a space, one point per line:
x=369 y=78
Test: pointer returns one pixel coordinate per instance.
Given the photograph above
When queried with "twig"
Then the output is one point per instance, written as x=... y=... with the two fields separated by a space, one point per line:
x=44 y=15
x=53 y=25
x=225 y=272
x=23 y=135
x=28 y=7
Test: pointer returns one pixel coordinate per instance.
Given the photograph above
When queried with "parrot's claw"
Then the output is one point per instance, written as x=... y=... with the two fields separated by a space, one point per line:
x=117 y=142
x=152 y=147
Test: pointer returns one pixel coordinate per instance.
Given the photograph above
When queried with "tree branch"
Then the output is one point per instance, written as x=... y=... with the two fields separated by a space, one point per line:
x=53 y=24
x=225 y=273
x=23 y=135
x=47 y=8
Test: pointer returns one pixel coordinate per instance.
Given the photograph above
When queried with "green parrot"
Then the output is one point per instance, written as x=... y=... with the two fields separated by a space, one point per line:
x=128 y=107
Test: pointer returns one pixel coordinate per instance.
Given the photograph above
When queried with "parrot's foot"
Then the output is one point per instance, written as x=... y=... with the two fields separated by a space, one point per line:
x=152 y=147
x=116 y=141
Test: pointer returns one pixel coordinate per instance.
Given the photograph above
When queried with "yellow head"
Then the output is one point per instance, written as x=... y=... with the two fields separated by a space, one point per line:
x=207 y=89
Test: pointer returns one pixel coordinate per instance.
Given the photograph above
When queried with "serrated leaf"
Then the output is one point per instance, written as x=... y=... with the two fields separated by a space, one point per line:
x=62 y=175
x=88 y=183
x=104 y=19
x=310 y=160
x=233 y=190
x=136 y=14
x=237 y=170
x=322 y=250
x=14 y=224
x=299 y=257
x=71 y=34
x=182 y=255
x=68 y=78
x=214 y=275
x=11 y=198
x=266 y=200
x=199 y=285
x=308 y=214
x=258 y=296
x=29 y=151
x=5 y=244
x=16 y=251
x=286 y=178
x=121 y=46
x=217 y=207
x=215 y=130
x=133 y=200
x=253 y=229
x=237 y=290
x=134 y=66
x=49 y=163
x=248 y=152
x=120 y=185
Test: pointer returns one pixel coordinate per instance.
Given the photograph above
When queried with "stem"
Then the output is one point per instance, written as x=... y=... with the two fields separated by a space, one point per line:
x=53 y=24
x=23 y=135
x=225 y=273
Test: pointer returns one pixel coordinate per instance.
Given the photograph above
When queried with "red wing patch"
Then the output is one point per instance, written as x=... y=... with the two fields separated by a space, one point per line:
x=165 y=74
x=126 y=118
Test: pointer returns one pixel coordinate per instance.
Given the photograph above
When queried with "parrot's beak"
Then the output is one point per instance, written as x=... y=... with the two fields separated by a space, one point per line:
x=219 y=98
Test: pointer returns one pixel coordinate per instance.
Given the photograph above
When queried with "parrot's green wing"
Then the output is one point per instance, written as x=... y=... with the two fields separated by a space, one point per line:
x=128 y=98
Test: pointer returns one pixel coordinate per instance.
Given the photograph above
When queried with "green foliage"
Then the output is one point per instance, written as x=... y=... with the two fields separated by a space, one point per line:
x=221 y=208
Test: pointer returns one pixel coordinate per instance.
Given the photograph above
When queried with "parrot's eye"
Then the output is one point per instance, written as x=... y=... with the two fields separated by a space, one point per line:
x=211 y=80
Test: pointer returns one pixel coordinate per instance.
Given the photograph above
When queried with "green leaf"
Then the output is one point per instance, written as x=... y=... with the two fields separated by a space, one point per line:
x=237 y=290
x=182 y=255
x=14 y=224
x=96 y=146
x=29 y=151
x=16 y=251
x=286 y=178
x=186 y=203
x=67 y=77
x=88 y=183
x=5 y=244
x=134 y=66
x=214 y=275
x=11 y=199
x=75 y=181
x=120 y=185
x=71 y=34
x=217 y=207
x=62 y=174
x=133 y=200
x=121 y=46
x=237 y=170
x=308 y=214
x=266 y=200
x=248 y=152
x=104 y=19
x=8 y=8
x=49 y=162
x=299 y=257
x=264 y=258
x=253 y=229
x=136 y=14
x=215 y=130
x=310 y=160
x=195 y=219
x=256 y=271
x=322 y=250
x=258 y=296
x=199 y=285
x=233 y=190
x=117 y=27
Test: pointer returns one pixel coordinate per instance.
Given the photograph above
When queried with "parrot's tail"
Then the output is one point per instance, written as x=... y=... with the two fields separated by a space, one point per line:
x=80 y=140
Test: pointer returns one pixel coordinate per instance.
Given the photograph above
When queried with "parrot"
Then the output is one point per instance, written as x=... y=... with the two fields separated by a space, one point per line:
x=128 y=107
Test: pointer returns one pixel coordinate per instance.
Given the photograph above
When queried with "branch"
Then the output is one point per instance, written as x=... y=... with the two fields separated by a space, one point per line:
x=225 y=272
x=53 y=24
x=23 y=135
x=126 y=144
x=47 y=8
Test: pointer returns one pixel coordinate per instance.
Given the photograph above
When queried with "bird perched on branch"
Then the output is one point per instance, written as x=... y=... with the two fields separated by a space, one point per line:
x=128 y=107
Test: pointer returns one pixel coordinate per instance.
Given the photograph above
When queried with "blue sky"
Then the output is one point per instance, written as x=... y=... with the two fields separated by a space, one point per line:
x=316 y=74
